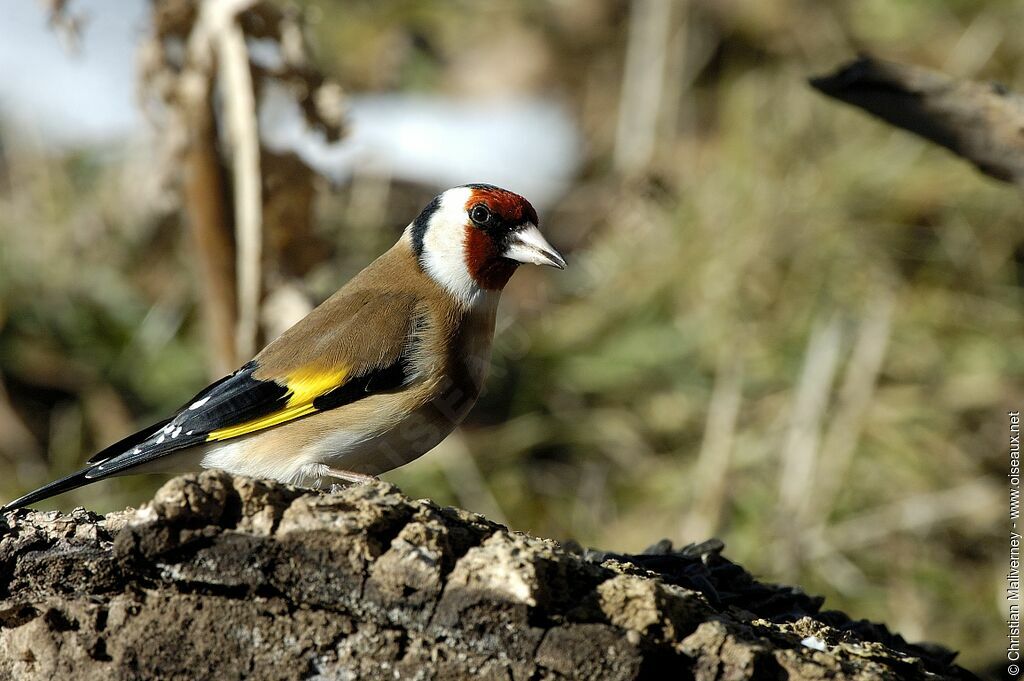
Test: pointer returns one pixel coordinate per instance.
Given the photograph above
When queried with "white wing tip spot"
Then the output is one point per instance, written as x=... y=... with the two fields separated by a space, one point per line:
x=198 y=403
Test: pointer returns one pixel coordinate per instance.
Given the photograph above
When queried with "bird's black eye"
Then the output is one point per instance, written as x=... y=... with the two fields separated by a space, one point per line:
x=480 y=214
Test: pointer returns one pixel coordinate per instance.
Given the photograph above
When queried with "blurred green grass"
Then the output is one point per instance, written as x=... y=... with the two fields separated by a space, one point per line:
x=704 y=365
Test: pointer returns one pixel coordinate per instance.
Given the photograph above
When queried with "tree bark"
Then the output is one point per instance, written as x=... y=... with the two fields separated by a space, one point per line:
x=228 y=578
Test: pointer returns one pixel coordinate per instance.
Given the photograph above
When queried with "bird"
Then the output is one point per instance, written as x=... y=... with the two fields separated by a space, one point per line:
x=374 y=377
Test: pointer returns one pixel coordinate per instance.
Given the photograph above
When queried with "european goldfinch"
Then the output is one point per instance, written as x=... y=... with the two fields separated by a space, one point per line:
x=371 y=379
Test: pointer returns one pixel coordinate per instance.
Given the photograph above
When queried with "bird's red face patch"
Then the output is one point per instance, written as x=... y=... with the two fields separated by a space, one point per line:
x=483 y=260
x=486 y=240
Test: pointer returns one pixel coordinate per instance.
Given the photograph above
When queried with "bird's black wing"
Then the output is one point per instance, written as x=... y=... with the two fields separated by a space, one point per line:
x=341 y=364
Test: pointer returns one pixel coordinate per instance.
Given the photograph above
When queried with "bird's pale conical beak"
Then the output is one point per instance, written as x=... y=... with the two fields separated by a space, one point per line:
x=528 y=245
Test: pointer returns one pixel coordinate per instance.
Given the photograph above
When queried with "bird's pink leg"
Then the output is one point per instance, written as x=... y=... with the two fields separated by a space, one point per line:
x=350 y=476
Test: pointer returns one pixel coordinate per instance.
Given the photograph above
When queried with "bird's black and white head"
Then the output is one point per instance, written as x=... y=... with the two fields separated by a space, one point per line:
x=471 y=239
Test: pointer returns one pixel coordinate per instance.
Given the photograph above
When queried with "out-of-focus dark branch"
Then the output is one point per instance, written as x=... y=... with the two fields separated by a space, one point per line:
x=982 y=122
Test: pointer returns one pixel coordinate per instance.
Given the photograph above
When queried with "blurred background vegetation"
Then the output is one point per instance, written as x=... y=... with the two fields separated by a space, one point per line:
x=784 y=323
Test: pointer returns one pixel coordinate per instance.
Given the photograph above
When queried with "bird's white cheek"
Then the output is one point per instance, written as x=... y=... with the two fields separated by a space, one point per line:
x=444 y=251
x=444 y=254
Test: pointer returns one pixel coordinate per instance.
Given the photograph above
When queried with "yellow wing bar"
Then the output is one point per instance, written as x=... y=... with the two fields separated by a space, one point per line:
x=303 y=387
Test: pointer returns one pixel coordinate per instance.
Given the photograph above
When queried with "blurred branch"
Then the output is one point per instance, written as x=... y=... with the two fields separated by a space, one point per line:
x=642 y=84
x=920 y=513
x=204 y=197
x=711 y=476
x=855 y=397
x=801 y=448
x=220 y=19
x=978 y=121
x=254 y=228
x=67 y=24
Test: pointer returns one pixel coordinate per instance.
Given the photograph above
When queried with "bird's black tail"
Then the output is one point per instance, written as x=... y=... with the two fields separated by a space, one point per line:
x=76 y=480
x=65 y=484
